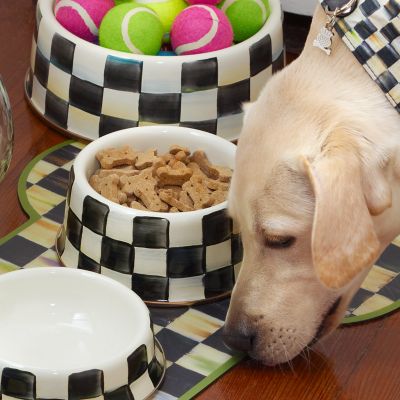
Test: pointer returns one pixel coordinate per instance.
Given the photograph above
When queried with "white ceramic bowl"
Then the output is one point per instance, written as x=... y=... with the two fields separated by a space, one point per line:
x=164 y=257
x=303 y=7
x=70 y=334
x=89 y=91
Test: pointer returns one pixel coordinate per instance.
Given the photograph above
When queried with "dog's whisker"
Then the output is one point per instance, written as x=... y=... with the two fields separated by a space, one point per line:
x=303 y=355
x=289 y=361
x=273 y=360
x=306 y=351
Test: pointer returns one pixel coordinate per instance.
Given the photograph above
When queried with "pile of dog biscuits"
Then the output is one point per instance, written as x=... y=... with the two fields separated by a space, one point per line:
x=176 y=181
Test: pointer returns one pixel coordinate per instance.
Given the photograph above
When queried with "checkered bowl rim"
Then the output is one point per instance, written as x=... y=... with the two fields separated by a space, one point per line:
x=88 y=153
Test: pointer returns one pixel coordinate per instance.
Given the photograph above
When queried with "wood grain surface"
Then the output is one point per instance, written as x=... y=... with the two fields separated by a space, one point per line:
x=356 y=362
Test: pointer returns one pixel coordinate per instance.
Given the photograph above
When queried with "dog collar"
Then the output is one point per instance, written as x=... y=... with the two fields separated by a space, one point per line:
x=371 y=30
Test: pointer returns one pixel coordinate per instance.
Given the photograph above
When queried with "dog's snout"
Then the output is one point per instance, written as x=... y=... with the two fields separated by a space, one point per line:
x=238 y=341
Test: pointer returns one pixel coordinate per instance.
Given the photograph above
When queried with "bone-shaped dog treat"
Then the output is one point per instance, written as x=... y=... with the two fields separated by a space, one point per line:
x=129 y=184
x=175 y=189
x=218 y=196
x=147 y=159
x=151 y=200
x=172 y=162
x=111 y=158
x=159 y=163
x=225 y=173
x=173 y=176
x=196 y=169
x=143 y=186
x=216 y=185
x=167 y=157
x=128 y=171
x=182 y=156
x=198 y=192
x=210 y=183
x=168 y=197
x=175 y=149
x=138 y=206
x=94 y=182
x=178 y=165
x=201 y=159
x=108 y=187
x=185 y=198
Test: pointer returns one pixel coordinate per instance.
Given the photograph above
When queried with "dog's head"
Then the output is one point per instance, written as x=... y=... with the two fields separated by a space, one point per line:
x=310 y=200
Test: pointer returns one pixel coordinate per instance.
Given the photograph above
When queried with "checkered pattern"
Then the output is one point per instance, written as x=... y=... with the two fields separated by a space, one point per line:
x=382 y=286
x=147 y=254
x=372 y=33
x=190 y=336
x=143 y=377
x=88 y=92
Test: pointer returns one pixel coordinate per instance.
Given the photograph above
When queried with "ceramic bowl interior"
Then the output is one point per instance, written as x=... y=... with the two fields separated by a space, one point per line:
x=218 y=150
x=58 y=324
x=166 y=257
x=89 y=91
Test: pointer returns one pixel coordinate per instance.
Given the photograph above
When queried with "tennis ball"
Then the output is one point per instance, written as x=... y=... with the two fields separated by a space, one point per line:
x=167 y=10
x=246 y=16
x=199 y=29
x=82 y=17
x=131 y=28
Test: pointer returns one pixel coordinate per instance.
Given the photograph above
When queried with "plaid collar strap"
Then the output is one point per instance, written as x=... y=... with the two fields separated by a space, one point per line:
x=371 y=30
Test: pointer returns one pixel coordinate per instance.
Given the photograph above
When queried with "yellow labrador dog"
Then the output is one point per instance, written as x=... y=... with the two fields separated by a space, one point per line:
x=316 y=192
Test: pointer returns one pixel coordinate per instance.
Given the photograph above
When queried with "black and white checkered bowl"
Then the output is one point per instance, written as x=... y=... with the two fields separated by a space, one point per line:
x=169 y=258
x=69 y=334
x=89 y=91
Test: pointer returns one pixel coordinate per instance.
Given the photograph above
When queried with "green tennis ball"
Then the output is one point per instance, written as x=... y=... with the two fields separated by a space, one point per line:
x=246 y=16
x=118 y=2
x=132 y=28
x=167 y=10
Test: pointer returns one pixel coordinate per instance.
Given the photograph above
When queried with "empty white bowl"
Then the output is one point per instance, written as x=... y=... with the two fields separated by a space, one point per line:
x=71 y=334
x=169 y=258
x=89 y=91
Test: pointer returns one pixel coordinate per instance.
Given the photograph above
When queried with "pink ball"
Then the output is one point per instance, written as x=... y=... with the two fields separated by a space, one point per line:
x=200 y=29
x=208 y=2
x=82 y=17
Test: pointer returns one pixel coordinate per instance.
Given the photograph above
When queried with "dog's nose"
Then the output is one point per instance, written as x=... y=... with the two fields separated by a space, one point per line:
x=238 y=341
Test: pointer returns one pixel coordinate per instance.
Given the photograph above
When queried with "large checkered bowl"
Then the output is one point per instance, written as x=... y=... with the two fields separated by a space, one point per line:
x=166 y=258
x=88 y=91
x=69 y=334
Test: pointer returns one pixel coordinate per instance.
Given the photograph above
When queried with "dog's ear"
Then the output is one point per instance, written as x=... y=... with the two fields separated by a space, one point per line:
x=344 y=241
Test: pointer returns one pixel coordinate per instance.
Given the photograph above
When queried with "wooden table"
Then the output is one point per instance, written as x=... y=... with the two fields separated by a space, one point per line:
x=360 y=362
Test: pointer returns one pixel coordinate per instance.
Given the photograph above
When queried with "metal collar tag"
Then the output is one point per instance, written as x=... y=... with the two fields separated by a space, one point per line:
x=323 y=40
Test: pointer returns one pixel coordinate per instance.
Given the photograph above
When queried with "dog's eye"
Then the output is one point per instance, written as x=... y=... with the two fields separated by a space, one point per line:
x=279 y=242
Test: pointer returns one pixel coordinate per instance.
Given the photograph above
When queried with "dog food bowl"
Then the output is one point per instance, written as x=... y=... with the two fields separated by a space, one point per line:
x=88 y=91
x=167 y=258
x=70 y=334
